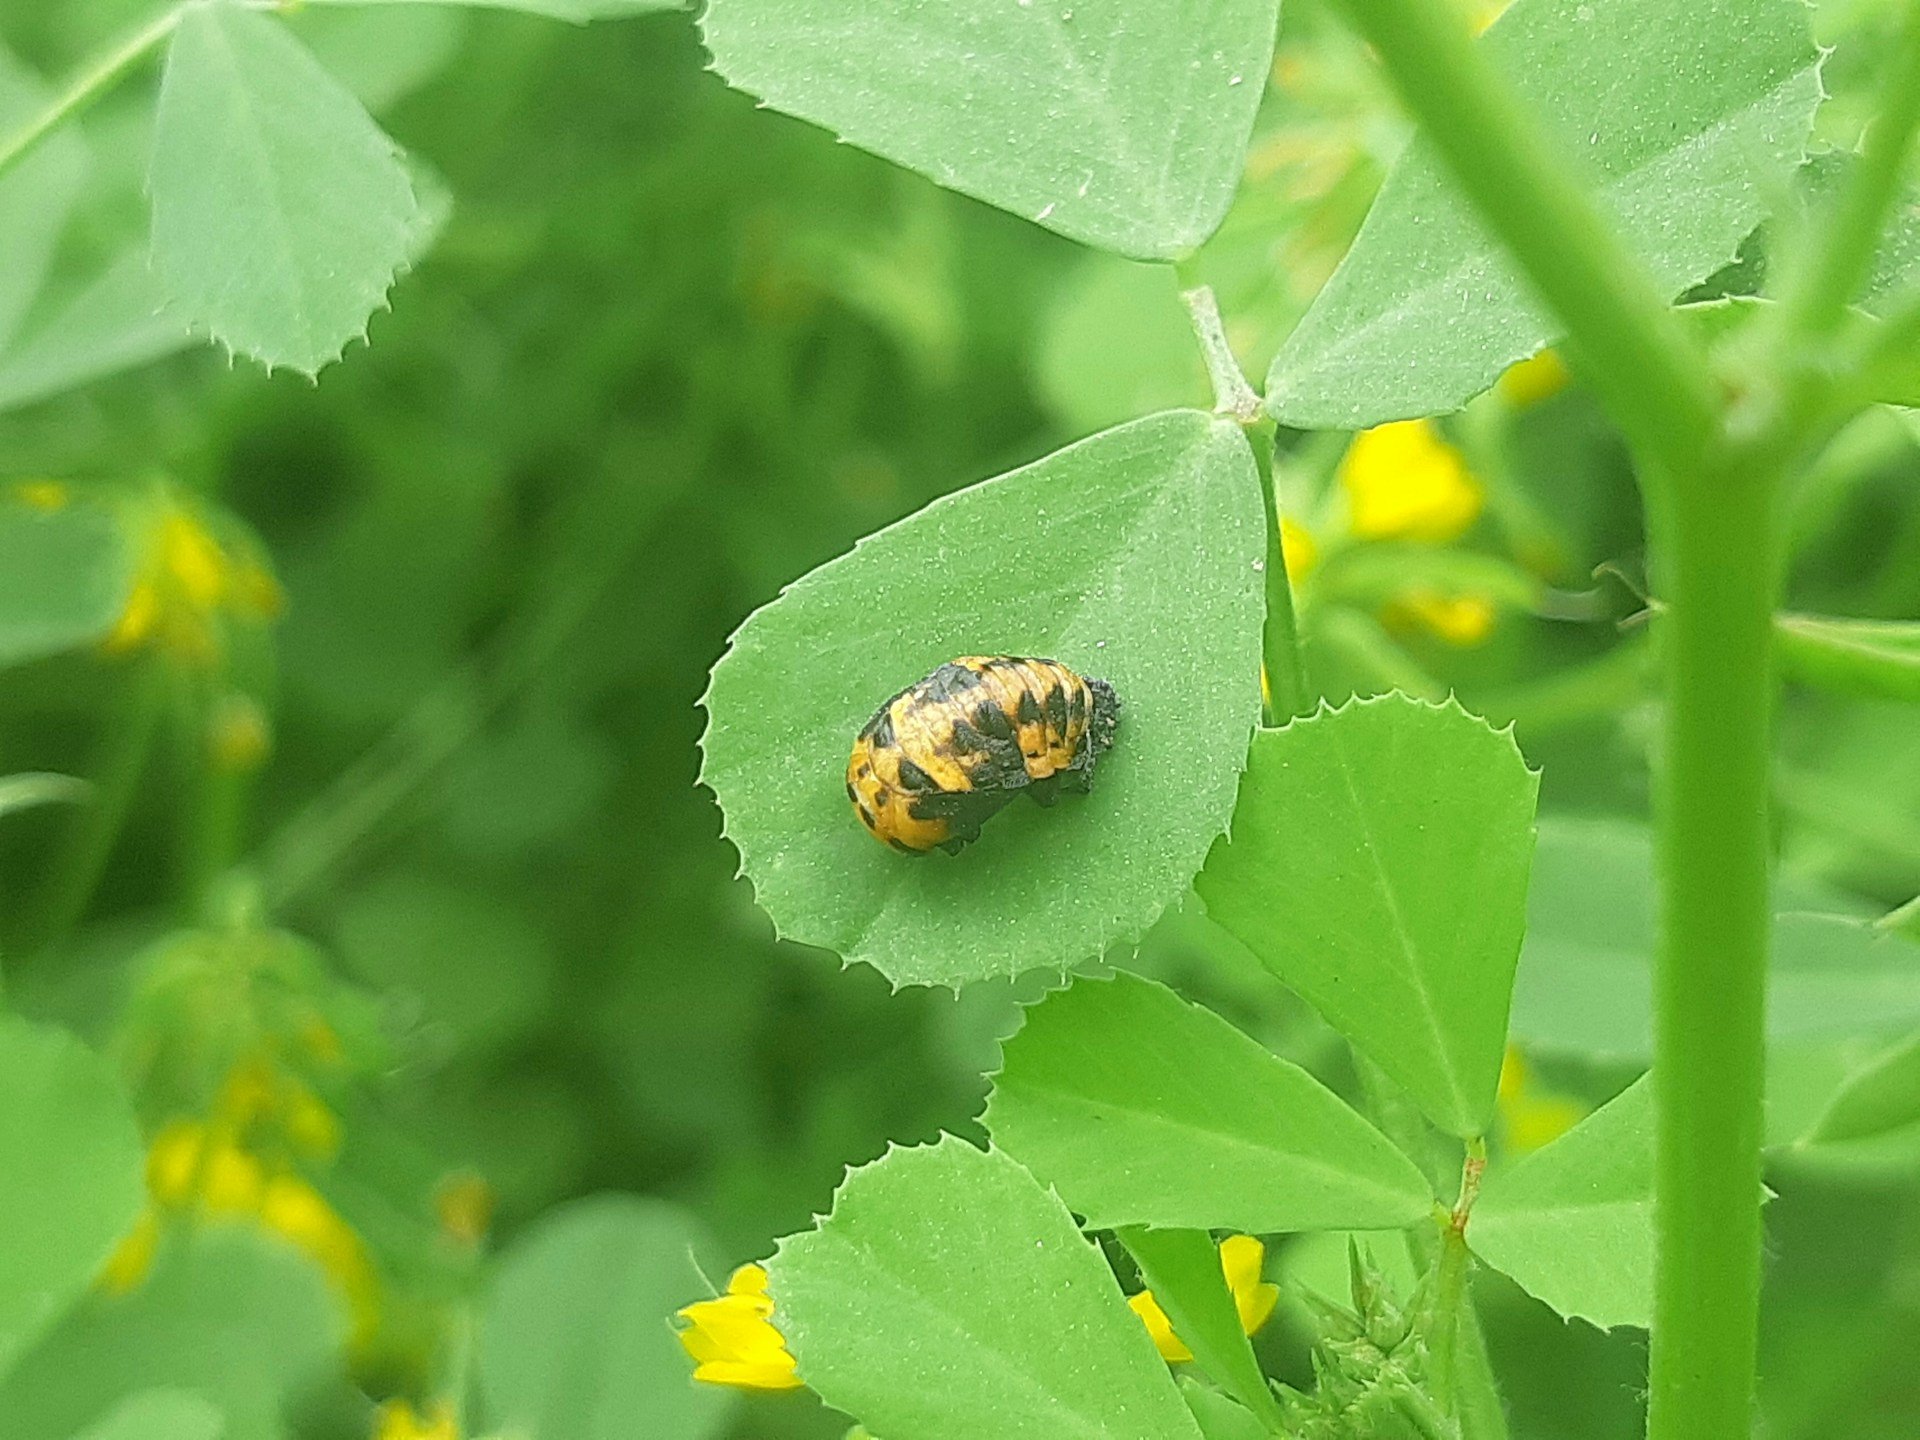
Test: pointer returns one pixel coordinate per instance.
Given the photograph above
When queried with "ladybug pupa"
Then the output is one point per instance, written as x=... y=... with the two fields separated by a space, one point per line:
x=944 y=755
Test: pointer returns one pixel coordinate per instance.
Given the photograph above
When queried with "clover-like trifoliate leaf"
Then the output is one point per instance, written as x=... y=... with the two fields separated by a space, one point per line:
x=1131 y=556
x=950 y=1296
x=1121 y=123
x=1378 y=865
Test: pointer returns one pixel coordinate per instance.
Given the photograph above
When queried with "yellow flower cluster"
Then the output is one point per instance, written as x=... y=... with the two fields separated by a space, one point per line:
x=1529 y=1116
x=187 y=585
x=732 y=1338
x=1242 y=1259
x=398 y=1420
x=1403 y=481
x=201 y=1169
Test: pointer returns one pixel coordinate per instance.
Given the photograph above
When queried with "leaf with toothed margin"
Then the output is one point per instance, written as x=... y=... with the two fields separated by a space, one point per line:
x=1378 y=865
x=1145 y=1110
x=1573 y=1221
x=950 y=1295
x=1687 y=136
x=1130 y=556
x=281 y=212
x=1119 y=123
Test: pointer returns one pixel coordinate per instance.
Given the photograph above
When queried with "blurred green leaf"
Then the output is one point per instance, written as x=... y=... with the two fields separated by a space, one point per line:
x=950 y=1296
x=1585 y=983
x=1876 y=658
x=1378 y=865
x=70 y=1175
x=1130 y=556
x=381 y=52
x=1119 y=123
x=1183 y=1270
x=474 y=961
x=1219 y=1417
x=1118 y=343
x=115 y=322
x=1144 y=1110
x=158 y=1415
x=1573 y=1221
x=1879 y=1095
x=578 y=11
x=35 y=195
x=281 y=212
x=24 y=791
x=1427 y=309
x=576 y=1341
x=235 y=1316
x=65 y=571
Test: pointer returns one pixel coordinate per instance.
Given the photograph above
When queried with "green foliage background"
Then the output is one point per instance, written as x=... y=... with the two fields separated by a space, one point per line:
x=666 y=352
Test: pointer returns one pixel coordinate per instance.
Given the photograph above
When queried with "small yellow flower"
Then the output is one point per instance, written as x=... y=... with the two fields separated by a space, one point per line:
x=1405 y=482
x=464 y=1205
x=45 y=495
x=1457 y=619
x=187 y=582
x=238 y=737
x=1299 y=551
x=1530 y=1117
x=132 y=1259
x=187 y=1164
x=1534 y=380
x=733 y=1340
x=398 y=1420
x=1242 y=1258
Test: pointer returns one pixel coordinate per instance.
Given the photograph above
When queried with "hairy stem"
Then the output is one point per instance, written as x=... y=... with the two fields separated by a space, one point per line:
x=1716 y=545
x=1622 y=338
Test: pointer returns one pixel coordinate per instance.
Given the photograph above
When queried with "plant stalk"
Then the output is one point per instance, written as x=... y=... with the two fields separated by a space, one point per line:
x=1715 y=539
x=1621 y=336
x=88 y=86
x=1281 y=656
x=1817 y=292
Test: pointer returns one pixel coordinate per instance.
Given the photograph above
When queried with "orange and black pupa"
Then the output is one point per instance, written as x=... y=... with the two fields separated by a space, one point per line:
x=943 y=756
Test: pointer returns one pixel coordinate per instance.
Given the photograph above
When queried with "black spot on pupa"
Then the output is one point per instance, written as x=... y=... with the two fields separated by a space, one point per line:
x=913 y=778
x=992 y=721
x=1078 y=707
x=967 y=740
x=1057 y=708
x=895 y=843
x=1028 y=711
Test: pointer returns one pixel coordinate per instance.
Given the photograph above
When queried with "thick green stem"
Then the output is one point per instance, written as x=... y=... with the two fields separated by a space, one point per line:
x=1715 y=547
x=1622 y=338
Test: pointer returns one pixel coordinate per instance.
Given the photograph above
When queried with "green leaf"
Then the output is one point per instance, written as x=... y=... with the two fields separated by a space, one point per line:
x=238 y=1318
x=1585 y=984
x=949 y=1296
x=1878 y=659
x=281 y=212
x=158 y=1415
x=37 y=787
x=36 y=194
x=1130 y=556
x=1427 y=310
x=576 y=1341
x=1182 y=1269
x=1378 y=865
x=116 y=322
x=1219 y=1417
x=1879 y=1095
x=578 y=11
x=1120 y=123
x=1144 y=1110
x=70 y=1175
x=1573 y=1221
x=65 y=572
